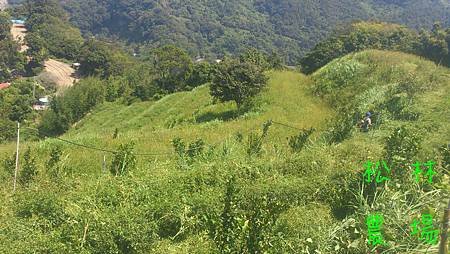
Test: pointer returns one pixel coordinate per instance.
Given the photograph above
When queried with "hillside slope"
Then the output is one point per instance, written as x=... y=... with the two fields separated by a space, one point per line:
x=192 y=114
x=224 y=199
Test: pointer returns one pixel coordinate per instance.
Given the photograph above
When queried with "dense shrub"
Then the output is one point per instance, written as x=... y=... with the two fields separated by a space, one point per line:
x=298 y=142
x=363 y=35
x=124 y=160
x=299 y=233
x=29 y=168
x=341 y=129
x=402 y=146
x=46 y=206
x=255 y=141
x=72 y=106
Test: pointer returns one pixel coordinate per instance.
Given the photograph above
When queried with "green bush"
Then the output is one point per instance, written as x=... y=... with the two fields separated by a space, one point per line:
x=124 y=160
x=402 y=146
x=299 y=233
x=9 y=165
x=337 y=76
x=255 y=141
x=45 y=206
x=298 y=142
x=195 y=148
x=341 y=129
x=29 y=168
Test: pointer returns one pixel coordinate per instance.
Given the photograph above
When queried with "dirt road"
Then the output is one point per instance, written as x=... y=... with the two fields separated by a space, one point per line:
x=3 y=4
x=18 y=32
x=60 y=73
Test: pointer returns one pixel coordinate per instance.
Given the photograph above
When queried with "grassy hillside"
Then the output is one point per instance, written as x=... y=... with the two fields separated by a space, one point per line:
x=193 y=114
x=225 y=201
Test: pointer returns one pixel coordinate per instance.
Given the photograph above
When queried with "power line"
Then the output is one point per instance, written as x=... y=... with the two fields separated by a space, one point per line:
x=95 y=148
x=143 y=154
x=72 y=143
x=292 y=127
x=113 y=151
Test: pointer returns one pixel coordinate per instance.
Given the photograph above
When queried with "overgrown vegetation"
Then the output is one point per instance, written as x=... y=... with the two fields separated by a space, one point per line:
x=221 y=200
x=148 y=162
x=12 y=63
x=434 y=44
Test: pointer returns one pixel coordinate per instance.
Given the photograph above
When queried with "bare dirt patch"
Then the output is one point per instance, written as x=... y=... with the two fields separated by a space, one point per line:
x=3 y=4
x=18 y=32
x=61 y=74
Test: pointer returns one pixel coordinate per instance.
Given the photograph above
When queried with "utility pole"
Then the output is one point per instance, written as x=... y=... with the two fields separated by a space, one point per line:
x=17 y=156
x=444 y=232
x=104 y=164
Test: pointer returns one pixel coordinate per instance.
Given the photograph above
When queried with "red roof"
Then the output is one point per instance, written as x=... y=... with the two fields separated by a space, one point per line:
x=4 y=85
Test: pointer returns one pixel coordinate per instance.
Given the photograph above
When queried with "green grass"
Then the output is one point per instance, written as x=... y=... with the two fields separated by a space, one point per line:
x=192 y=115
x=137 y=207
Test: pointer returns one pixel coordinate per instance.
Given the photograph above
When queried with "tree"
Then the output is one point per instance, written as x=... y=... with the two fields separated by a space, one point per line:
x=5 y=25
x=434 y=44
x=11 y=61
x=237 y=81
x=102 y=59
x=255 y=57
x=173 y=67
x=201 y=74
x=356 y=37
x=16 y=101
x=37 y=51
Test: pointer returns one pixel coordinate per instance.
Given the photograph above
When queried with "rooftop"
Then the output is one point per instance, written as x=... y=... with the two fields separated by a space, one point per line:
x=4 y=85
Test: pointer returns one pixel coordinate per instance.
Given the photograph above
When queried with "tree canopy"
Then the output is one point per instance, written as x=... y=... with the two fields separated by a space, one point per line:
x=237 y=81
x=216 y=28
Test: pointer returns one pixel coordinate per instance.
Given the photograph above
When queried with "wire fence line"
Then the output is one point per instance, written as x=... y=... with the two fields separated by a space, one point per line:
x=100 y=149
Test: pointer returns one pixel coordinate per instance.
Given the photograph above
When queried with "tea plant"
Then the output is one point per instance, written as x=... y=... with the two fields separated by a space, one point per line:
x=298 y=142
x=124 y=160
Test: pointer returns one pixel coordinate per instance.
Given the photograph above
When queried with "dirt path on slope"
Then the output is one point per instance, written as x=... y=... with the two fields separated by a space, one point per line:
x=62 y=74
x=59 y=73
x=3 y=4
x=18 y=32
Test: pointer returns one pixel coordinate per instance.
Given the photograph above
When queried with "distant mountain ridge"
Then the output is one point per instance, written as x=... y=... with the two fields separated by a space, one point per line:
x=213 y=28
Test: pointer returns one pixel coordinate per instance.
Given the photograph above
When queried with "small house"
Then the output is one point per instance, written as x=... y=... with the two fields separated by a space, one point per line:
x=42 y=104
x=18 y=23
x=4 y=85
x=200 y=60
x=76 y=65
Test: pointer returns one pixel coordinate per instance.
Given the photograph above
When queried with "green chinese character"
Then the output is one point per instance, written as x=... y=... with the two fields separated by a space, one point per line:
x=430 y=173
x=429 y=234
x=374 y=223
x=380 y=178
x=415 y=227
x=417 y=171
x=371 y=171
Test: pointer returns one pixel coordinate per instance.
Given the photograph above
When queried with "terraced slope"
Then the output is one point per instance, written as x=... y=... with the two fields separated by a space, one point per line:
x=175 y=204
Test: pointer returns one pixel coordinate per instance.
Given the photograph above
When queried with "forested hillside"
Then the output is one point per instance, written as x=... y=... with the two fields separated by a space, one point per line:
x=156 y=152
x=214 y=27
